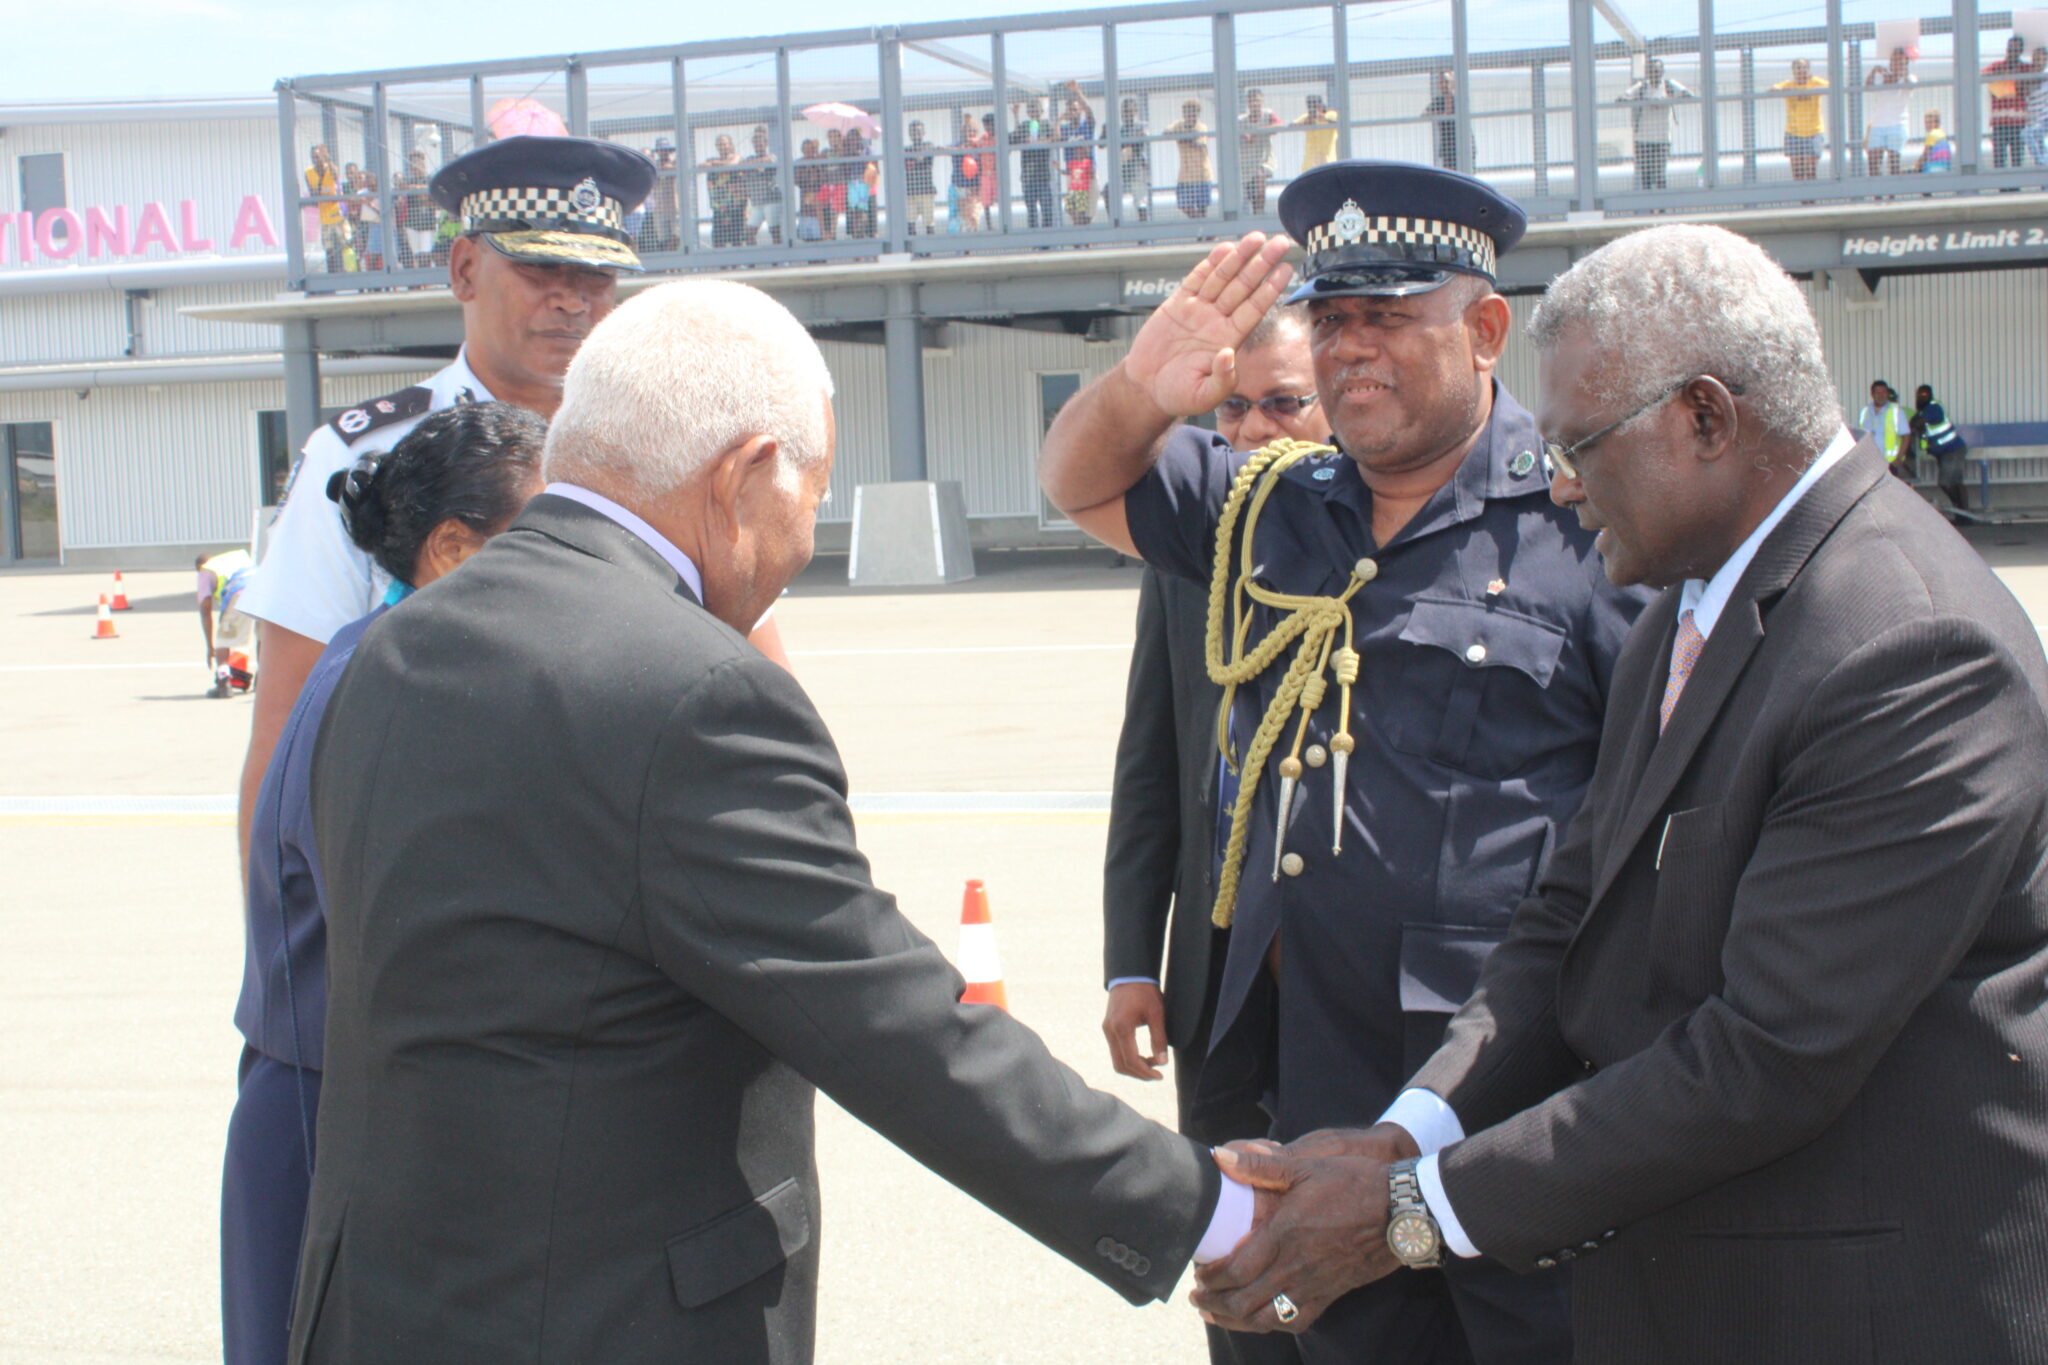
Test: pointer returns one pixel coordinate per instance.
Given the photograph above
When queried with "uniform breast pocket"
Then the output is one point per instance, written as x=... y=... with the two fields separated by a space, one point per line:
x=1472 y=690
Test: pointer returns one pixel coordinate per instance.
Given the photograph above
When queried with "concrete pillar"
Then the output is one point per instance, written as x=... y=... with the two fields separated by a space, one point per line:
x=301 y=382
x=903 y=345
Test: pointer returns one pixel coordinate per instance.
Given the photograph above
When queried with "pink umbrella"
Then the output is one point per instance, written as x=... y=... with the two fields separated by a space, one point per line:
x=836 y=117
x=512 y=118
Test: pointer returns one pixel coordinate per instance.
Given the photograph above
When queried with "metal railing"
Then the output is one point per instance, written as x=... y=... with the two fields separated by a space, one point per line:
x=1177 y=122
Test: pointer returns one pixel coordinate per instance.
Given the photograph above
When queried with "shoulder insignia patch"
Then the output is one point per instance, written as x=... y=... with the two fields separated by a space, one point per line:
x=352 y=424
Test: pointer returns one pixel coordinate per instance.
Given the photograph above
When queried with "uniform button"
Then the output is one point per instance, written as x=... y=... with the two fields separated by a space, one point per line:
x=1366 y=570
x=1106 y=1247
x=1545 y=1263
x=1291 y=864
x=1476 y=654
x=1317 y=755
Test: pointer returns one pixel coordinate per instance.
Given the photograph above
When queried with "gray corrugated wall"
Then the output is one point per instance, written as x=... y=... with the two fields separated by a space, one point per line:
x=1979 y=337
x=214 y=164
x=61 y=328
x=168 y=466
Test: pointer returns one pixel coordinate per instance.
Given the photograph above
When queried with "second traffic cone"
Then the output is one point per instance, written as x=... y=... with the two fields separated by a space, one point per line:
x=103 y=629
x=120 y=602
x=978 y=960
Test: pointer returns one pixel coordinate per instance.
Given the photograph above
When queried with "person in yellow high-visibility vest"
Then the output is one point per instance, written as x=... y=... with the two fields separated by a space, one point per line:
x=221 y=580
x=1886 y=422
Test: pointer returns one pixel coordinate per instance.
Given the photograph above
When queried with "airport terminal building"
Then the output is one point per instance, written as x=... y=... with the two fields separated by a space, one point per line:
x=181 y=302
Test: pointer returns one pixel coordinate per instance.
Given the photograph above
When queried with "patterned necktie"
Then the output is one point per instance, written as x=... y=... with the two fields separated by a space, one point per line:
x=1685 y=652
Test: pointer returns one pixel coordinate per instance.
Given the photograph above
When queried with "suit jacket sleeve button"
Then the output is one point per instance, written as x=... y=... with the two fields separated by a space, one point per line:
x=1106 y=1247
x=1546 y=1263
x=1143 y=1267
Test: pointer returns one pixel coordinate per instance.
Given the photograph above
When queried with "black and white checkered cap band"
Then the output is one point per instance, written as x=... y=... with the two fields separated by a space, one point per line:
x=508 y=209
x=1398 y=232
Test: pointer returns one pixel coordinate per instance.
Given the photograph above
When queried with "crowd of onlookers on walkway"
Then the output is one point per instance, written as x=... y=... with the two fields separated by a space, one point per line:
x=1060 y=150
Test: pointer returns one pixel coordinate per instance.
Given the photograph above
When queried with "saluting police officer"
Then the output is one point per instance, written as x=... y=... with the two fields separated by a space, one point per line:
x=1422 y=718
x=536 y=267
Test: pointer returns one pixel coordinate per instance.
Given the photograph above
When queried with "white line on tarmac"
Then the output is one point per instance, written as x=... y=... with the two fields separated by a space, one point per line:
x=868 y=803
x=94 y=668
x=794 y=654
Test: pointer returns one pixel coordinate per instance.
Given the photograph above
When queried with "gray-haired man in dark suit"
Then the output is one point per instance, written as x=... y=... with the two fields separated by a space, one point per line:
x=1766 y=1056
x=598 y=925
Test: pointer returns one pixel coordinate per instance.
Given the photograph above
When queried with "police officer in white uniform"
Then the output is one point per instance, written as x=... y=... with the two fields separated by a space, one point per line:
x=535 y=269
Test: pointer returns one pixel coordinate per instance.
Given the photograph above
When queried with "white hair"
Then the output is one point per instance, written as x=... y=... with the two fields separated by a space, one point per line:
x=1670 y=303
x=679 y=373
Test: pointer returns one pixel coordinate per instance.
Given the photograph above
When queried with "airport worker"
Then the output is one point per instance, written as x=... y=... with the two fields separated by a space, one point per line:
x=1419 y=645
x=419 y=510
x=598 y=925
x=1765 y=1058
x=1159 y=874
x=222 y=580
x=543 y=241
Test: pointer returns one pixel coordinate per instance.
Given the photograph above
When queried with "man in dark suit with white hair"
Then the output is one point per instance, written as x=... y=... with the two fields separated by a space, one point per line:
x=598 y=925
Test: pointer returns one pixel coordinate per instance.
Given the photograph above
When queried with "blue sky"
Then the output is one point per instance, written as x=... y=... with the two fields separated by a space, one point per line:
x=111 y=49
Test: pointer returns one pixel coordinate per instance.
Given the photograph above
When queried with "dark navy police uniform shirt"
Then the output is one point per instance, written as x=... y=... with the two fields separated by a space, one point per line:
x=287 y=924
x=1487 y=642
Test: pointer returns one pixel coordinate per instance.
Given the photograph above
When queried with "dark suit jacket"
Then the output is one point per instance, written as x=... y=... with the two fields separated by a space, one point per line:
x=597 y=925
x=1771 y=1039
x=1158 y=883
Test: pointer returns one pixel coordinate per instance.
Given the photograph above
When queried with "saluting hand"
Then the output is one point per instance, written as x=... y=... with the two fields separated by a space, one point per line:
x=1185 y=356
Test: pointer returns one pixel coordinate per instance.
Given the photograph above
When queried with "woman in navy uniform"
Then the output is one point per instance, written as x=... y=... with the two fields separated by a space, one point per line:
x=1412 y=754
x=456 y=480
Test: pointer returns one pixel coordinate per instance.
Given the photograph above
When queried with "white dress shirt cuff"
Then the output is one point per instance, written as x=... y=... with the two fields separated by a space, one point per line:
x=1432 y=1183
x=1116 y=981
x=1432 y=1123
x=1229 y=1225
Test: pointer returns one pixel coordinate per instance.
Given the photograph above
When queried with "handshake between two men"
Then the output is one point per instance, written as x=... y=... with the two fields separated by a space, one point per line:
x=1324 y=1210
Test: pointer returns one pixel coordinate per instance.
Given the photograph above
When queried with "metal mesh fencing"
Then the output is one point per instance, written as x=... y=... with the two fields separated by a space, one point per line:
x=835 y=95
x=1403 y=86
x=1287 y=104
x=1166 y=121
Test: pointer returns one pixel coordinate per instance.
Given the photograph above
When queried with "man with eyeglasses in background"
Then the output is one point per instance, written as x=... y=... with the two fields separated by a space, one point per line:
x=1385 y=846
x=1159 y=878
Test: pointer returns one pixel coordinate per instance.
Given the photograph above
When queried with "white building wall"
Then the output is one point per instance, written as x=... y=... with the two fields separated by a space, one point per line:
x=173 y=465
x=62 y=328
x=1976 y=336
x=982 y=420
x=215 y=163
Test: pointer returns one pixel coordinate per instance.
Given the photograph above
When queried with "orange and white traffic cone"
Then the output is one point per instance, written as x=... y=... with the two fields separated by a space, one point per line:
x=978 y=960
x=120 y=602
x=104 y=628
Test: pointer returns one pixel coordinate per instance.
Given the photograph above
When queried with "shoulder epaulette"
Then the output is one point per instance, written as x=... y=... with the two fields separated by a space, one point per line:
x=352 y=424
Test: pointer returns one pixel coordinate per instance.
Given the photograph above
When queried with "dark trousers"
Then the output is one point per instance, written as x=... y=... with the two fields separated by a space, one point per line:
x=1468 y=1313
x=267 y=1178
x=2008 y=146
x=1239 y=1117
x=1041 y=205
x=1651 y=159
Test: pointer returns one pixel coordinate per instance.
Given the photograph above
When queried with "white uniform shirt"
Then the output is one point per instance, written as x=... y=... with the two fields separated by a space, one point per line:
x=313 y=580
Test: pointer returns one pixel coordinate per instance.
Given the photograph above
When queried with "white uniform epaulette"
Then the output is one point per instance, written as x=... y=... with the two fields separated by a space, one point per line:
x=313 y=580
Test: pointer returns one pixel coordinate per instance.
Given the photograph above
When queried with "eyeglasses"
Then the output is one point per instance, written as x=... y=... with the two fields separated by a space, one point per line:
x=1280 y=405
x=1564 y=459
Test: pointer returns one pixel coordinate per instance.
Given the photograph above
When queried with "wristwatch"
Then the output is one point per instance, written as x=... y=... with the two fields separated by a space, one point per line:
x=1412 y=1233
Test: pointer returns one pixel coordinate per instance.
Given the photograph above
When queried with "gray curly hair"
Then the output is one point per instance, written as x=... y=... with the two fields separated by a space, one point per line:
x=1688 y=299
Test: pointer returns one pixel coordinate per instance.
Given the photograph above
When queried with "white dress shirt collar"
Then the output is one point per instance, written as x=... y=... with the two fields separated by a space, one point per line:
x=1705 y=599
x=685 y=567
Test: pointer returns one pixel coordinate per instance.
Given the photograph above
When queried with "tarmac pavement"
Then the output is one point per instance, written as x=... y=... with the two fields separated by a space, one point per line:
x=121 y=946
